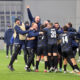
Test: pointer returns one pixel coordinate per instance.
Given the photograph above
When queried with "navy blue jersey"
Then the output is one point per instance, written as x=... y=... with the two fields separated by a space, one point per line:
x=42 y=40
x=71 y=29
x=66 y=41
x=32 y=43
x=59 y=30
x=52 y=36
x=8 y=35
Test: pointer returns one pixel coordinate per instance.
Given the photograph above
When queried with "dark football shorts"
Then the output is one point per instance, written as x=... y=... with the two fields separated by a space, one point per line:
x=52 y=48
x=42 y=50
x=68 y=54
x=59 y=49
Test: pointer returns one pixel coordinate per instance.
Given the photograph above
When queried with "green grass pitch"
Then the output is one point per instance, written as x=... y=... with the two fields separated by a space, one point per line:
x=21 y=74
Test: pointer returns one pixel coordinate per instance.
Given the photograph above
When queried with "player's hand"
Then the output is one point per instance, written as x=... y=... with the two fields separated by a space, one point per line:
x=31 y=28
x=27 y=6
x=41 y=33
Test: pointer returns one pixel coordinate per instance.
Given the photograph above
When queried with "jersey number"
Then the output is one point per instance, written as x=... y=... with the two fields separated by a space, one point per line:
x=53 y=34
x=42 y=37
x=65 y=39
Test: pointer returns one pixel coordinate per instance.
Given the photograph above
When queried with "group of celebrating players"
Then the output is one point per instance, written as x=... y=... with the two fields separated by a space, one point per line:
x=57 y=44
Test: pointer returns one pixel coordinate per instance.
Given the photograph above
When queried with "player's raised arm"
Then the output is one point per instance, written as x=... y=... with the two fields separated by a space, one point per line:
x=29 y=13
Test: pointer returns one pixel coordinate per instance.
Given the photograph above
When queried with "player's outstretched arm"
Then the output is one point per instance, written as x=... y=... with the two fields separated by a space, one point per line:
x=29 y=13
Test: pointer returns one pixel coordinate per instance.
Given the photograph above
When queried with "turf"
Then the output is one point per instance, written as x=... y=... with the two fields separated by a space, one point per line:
x=21 y=74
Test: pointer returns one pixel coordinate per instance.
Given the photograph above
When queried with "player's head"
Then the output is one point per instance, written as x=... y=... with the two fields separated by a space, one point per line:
x=9 y=26
x=56 y=25
x=69 y=24
x=41 y=27
x=17 y=21
x=37 y=19
x=50 y=25
x=65 y=28
x=46 y=23
x=27 y=23
x=34 y=26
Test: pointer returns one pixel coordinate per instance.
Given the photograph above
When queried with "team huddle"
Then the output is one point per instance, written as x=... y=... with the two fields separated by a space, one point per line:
x=57 y=44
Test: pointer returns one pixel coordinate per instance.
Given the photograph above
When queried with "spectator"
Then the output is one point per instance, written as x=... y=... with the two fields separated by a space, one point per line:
x=7 y=38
